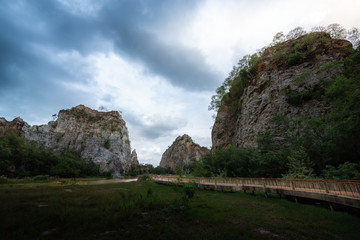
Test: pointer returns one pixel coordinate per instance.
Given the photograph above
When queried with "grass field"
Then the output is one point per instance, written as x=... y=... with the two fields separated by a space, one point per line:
x=146 y=210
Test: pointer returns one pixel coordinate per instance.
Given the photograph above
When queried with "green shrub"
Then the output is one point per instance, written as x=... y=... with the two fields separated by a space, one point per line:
x=301 y=79
x=344 y=171
x=299 y=165
x=177 y=184
x=295 y=59
x=190 y=189
x=107 y=143
x=144 y=177
x=294 y=98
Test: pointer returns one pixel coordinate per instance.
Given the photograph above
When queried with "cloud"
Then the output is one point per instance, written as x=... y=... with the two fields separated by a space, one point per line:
x=30 y=73
x=129 y=24
x=32 y=34
x=151 y=127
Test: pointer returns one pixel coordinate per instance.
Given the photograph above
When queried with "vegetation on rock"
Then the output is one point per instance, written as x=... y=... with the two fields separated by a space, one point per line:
x=324 y=145
x=21 y=158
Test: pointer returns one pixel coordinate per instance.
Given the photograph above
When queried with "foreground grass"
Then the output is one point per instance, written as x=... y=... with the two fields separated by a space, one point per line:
x=145 y=210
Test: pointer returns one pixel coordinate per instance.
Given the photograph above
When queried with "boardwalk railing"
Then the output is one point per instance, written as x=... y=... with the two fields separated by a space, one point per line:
x=338 y=188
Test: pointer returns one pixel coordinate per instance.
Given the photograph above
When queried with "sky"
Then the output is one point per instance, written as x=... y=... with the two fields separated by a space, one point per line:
x=158 y=62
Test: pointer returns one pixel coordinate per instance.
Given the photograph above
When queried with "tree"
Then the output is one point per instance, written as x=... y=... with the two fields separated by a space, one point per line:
x=299 y=165
x=344 y=171
x=336 y=31
x=245 y=68
x=354 y=37
x=133 y=170
x=295 y=33
x=279 y=38
x=318 y=29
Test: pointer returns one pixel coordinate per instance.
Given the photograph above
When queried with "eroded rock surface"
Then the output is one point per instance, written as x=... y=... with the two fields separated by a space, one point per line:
x=101 y=137
x=278 y=88
x=181 y=152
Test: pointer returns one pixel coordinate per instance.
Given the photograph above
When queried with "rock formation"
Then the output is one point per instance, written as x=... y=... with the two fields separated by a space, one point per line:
x=181 y=152
x=14 y=125
x=101 y=137
x=278 y=87
x=134 y=158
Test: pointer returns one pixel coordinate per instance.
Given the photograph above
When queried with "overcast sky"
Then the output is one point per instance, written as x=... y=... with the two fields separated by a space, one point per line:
x=157 y=61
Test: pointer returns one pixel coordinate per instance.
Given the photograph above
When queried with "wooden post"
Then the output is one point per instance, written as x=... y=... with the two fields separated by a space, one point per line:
x=326 y=187
x=292 y=185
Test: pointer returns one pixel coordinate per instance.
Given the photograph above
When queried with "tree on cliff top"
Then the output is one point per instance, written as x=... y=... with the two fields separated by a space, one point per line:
x=247 y=65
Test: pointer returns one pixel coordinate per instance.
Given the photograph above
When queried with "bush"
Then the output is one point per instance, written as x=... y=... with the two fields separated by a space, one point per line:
x=190 y=189
x=295 y=58
x=144 y=177
x=107 y=143
x=344 y=171
x=177 y=184
x=299 y=165
x=294 y=98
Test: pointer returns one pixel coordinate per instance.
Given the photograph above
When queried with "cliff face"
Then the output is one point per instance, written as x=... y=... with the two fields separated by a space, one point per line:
x=278 y=87
x=101 y=137
x=181 y=152
x=15 y=125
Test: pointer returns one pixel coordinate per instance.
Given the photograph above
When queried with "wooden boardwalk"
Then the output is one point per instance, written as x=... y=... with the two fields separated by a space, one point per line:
x=343 y=192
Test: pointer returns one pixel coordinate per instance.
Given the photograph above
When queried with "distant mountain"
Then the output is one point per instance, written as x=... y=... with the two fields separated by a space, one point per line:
x=181 y=152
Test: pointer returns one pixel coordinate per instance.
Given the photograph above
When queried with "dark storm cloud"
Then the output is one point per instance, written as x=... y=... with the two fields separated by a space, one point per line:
x=28 y=38
x=126 y=24
x=34 y=33
x=129 y=24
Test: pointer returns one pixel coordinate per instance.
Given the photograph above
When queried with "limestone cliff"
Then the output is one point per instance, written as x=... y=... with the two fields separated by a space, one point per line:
x=14 y=125
x=282 y=87
x=101 y=137
x=134 y=158
x=181 y=152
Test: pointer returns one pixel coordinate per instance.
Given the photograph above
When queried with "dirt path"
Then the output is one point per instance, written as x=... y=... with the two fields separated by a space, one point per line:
x=105 y=181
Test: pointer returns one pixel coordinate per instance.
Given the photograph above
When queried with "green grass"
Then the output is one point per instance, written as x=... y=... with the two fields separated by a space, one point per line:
x=145 y=210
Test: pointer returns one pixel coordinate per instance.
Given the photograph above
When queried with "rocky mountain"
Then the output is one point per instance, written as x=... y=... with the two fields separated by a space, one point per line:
x=134 y=158
x=101 y=137
x=181 y=152
x=289 y=80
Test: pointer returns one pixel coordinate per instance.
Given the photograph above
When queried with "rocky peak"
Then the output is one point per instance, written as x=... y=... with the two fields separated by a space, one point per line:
x=134 y=158
x=101 y=137
x=290 y=79
x=181 y=152
x=15 y=125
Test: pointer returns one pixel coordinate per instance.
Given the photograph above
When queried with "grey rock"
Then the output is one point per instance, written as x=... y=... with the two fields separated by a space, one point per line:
x=134 y=158
x=181 y=153
x=267 y=93
x=101 y=137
